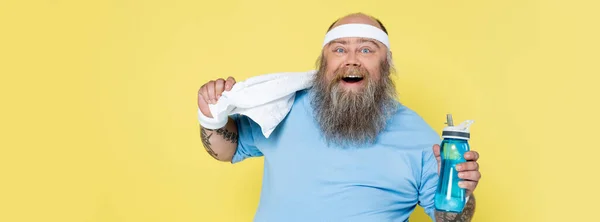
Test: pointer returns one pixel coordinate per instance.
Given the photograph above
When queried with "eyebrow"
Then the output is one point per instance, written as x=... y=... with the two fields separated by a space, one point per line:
x=362 y=40
x=368 y=40
x=343 y=42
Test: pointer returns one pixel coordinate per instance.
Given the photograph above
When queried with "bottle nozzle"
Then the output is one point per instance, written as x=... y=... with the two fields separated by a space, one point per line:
x=449 y=121
x=466 y=124
x=460 y=131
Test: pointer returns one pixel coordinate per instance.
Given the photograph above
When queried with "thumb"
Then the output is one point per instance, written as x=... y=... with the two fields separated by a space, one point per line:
x=436 y=154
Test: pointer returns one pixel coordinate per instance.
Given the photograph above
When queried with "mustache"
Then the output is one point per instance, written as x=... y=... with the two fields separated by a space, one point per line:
x=342 y=72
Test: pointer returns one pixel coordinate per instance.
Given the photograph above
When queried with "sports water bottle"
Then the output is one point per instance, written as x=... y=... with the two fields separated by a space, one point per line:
x=449 y=197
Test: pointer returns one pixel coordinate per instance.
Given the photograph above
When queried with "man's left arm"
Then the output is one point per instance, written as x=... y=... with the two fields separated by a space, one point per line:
x=465 y=215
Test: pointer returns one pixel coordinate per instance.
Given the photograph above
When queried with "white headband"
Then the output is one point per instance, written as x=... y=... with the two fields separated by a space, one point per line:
x=357 y=30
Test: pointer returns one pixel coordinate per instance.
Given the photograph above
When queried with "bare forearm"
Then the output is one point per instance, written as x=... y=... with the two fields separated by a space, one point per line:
x=220 y=143
x=465 y=215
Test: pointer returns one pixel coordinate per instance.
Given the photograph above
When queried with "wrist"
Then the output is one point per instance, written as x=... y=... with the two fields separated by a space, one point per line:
x=211 y=123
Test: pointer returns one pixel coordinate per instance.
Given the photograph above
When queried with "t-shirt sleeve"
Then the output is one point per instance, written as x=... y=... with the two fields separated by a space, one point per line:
x=246 y=142
x=429 y=181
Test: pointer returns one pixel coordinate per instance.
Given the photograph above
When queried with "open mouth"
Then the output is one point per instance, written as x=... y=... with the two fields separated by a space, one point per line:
x=352 y=79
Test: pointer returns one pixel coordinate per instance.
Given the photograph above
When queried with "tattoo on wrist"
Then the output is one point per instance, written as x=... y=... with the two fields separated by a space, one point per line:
x=465 y=215
x=206 y=134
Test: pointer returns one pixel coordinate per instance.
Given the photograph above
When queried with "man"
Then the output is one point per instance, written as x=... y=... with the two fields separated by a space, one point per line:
x=347 y=150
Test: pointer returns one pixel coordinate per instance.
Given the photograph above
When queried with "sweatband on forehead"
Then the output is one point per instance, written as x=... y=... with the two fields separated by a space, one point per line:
x=357 y=30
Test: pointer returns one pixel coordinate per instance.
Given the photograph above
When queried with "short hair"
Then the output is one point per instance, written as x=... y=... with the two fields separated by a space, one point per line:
x=378 y=21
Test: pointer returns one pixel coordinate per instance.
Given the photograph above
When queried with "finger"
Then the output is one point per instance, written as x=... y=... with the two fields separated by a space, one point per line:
x=468 y=166
x=210 y=87
x=470 y=175
x=202 y=103
x=219 y=86
x=468 y=185
x=200 y=97
x=204 y=92
x=229 y=83
x=472 y=155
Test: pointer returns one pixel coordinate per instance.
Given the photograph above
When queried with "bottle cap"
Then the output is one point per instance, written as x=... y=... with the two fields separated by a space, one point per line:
x=457 y=132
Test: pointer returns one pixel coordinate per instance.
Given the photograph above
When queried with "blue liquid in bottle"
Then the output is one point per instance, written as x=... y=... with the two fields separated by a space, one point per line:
x=449 y=197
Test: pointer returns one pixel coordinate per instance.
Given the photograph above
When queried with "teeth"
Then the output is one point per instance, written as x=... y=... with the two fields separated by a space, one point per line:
x=352 y=76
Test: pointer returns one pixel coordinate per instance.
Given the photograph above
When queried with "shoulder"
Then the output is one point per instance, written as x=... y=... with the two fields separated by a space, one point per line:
x=408 y=119
x=407 y=122
x=302 y=101
x=302 y=95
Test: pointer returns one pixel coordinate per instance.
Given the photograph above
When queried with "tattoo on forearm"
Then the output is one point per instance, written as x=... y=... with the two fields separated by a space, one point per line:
x=465 y=215
x=206 y=134
x=206 y=142
x=228 y=135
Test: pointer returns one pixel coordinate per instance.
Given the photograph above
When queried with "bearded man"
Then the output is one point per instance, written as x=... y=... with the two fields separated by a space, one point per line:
x=347 y=150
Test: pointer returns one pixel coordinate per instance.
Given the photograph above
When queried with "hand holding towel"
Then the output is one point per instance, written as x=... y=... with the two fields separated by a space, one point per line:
x=266 y=99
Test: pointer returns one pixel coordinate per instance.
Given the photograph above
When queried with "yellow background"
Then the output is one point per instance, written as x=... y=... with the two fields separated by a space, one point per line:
x=98 y=112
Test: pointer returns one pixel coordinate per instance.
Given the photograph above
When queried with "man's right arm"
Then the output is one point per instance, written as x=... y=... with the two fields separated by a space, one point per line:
x=221 y=143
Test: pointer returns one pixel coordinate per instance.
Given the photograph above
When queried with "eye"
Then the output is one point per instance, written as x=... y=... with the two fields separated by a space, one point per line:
x=339 y=50
x=365 y=50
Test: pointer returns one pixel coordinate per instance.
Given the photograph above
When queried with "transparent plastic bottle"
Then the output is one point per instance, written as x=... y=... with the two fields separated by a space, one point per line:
x=449 y=197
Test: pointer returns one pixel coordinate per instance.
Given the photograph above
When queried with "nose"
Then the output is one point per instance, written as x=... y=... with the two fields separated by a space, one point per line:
x=351 y=61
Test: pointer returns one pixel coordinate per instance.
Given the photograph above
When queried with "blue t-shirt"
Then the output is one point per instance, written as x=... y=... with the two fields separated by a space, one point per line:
x=306 y=181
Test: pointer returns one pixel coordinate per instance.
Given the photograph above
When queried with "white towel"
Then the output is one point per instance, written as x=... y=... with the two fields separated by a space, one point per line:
x=266 y=99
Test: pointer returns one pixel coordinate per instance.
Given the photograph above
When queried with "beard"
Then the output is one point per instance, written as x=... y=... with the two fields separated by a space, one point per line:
x=353 y=117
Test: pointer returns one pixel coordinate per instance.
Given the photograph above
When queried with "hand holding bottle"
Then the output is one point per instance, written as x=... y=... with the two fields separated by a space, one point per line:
x=468 y=171
x=457 y=167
